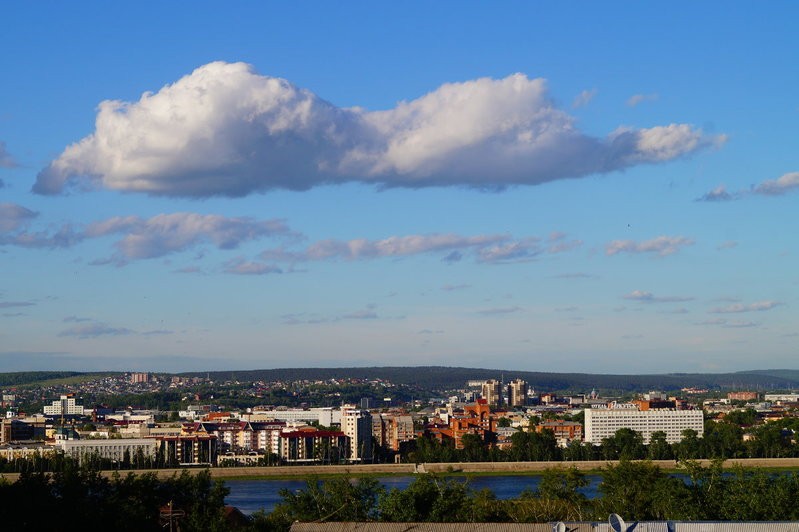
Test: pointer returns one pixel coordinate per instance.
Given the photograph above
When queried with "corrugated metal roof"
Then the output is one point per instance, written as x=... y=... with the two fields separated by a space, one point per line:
x=732 y=526
x=427 y=527
x=644 y=526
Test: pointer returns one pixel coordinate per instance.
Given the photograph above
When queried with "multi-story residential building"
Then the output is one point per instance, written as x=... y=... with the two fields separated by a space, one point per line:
x=190 y=448
x=517 y=393
x=20 y=430
x=743 y=396
x=782 y=397
x=139 y=377
x=604 y=422
x=65 y=406
x=476 y=419
x=311 y=445
x=564 y=431
x=492 y=392
x=357 y=425
x=390 y=430
x=246 y=435
x=324 y=416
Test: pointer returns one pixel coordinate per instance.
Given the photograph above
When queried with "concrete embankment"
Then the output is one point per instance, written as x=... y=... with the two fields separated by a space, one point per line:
x=499 y=468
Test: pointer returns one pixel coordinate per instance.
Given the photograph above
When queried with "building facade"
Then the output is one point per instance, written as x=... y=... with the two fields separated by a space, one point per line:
x=64 y=406
x=357 y=425
x=743 y=396
x=113 y=449
x=517 y=393
x=604 y=422
x=492 y=392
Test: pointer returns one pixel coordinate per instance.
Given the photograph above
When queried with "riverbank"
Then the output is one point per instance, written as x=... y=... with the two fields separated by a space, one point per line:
x=457 y=468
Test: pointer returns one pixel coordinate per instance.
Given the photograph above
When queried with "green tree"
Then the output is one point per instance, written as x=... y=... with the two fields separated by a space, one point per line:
x=641 y=491
x=336 y=499
x=427 y=498
x=659 y=448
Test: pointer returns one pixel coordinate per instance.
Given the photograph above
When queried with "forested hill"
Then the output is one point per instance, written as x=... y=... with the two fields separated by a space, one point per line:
x=443 y=378
x=30 y=377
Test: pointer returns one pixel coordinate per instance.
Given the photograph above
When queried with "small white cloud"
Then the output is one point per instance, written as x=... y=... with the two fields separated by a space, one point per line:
x=727 y=244
x=784 y=184
x=225 y=130
x=757 y=306
x=169 y=233
x=718 y=194
x=649 y=297
x=512 y=251
x=662 y=245
x=240 y=266
x=485 y=248
x=584 y=98
x=777 y=187
x=637 y=99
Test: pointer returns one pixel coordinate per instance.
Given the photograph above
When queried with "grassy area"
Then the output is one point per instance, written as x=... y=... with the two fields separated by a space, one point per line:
x=72 y=380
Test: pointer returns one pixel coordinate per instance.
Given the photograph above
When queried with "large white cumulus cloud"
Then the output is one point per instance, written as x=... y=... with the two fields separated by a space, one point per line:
x=226 y=130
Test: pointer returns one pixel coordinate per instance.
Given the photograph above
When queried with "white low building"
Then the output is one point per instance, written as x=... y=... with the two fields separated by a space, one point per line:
x=782 y=397
x=111 y=449
x=604 y=422
x=325 y=416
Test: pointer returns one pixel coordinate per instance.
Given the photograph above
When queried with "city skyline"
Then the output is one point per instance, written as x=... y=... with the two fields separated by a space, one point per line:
x=539 y=187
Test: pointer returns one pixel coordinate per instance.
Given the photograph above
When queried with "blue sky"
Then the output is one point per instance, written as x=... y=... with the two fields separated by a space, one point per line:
x=526 y=185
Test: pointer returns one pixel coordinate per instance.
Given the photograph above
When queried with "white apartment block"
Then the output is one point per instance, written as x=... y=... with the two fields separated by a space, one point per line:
x=604 y=422
x=325 y=416
x=781 y=397
x=64 y=406
x=357 y=425
x=492 y=392
x=517 y=393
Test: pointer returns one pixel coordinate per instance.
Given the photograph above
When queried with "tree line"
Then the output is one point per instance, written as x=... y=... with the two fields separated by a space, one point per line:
x=635 y=490
x=722 y=439
x=79 y=497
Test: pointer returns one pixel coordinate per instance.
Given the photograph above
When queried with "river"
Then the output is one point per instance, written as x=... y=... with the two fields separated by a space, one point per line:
x=263 y=494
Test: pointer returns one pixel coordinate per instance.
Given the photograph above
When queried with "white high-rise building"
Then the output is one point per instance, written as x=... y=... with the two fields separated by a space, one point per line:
x=517 y=393
x=604 y=422
x=64 y=406
x=357 y=425
x=492 y=392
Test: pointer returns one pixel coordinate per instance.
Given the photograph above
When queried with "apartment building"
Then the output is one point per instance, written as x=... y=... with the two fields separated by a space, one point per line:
x=357 y=425
x=517 y=393
x=604 y=422
x=65 y=406
x=492 y=392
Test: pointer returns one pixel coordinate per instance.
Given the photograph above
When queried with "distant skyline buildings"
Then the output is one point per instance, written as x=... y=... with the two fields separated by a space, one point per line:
x=517 y=393
x=597 y=189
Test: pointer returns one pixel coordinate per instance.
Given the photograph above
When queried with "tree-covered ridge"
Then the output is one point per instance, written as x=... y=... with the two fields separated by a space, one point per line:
x=444 y=378
x=29 y=377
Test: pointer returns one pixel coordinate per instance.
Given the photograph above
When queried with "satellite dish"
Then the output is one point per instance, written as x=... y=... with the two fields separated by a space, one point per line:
x=616 y=523
x=560 y=526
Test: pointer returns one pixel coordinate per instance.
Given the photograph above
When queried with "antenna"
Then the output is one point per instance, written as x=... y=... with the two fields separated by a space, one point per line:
x=616 y=523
